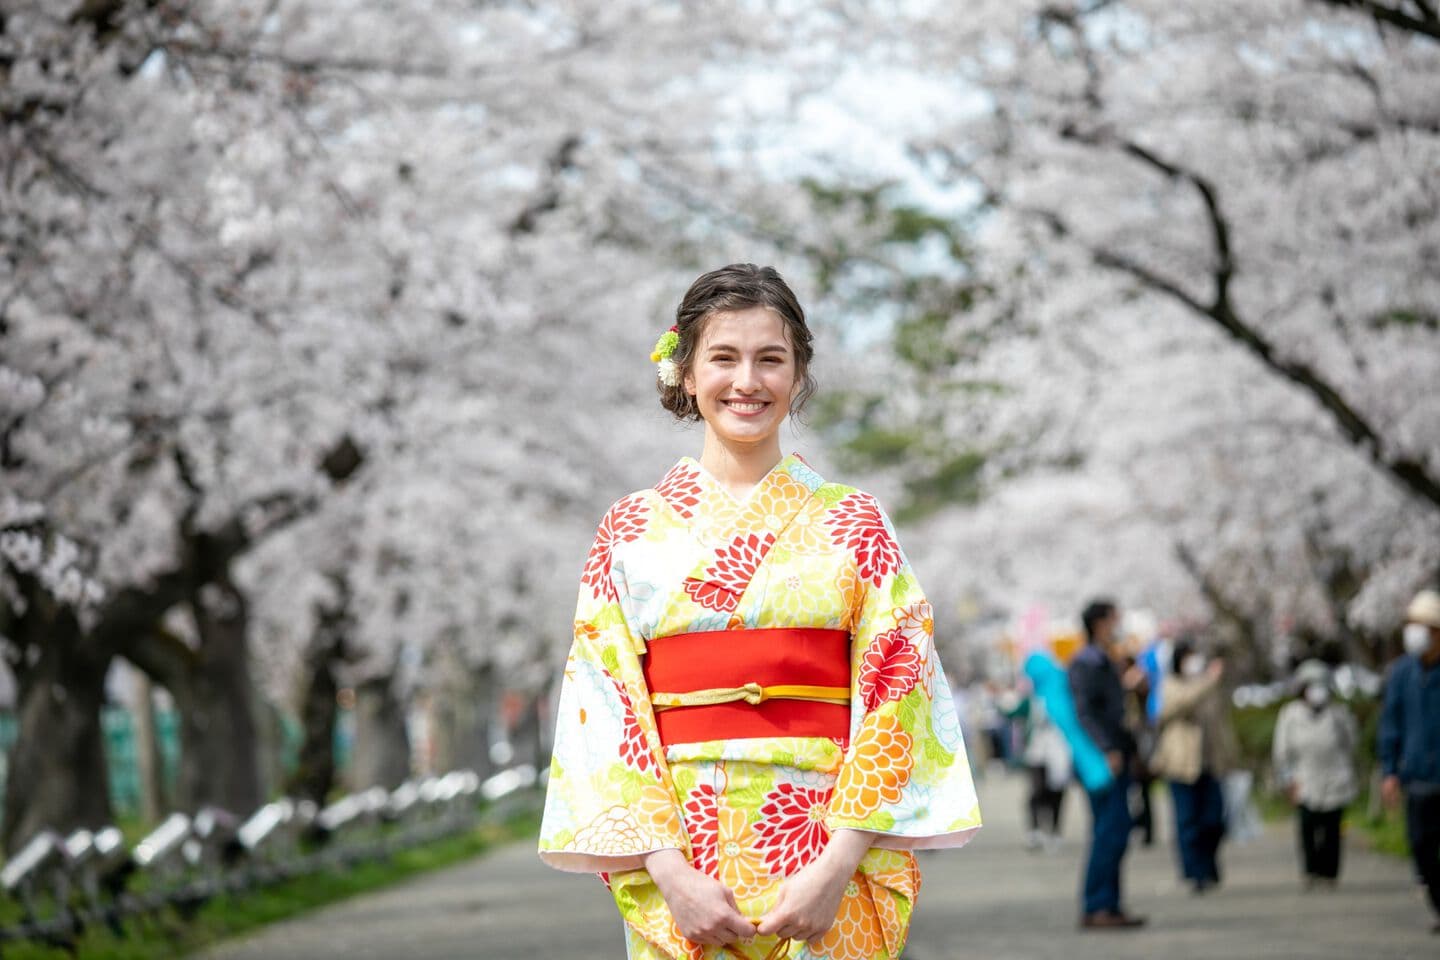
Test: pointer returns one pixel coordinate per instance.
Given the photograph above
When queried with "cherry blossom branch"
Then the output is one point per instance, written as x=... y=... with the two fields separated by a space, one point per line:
x=1427 y=24
x=1410 y=471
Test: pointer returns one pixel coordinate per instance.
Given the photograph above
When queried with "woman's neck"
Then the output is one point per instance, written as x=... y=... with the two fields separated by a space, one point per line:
x=739 y=467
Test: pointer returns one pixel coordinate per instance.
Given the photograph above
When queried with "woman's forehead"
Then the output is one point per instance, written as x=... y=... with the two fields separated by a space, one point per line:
x=751 y=326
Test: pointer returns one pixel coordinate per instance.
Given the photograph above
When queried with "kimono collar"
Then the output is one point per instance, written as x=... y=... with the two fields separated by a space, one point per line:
x=687 y=485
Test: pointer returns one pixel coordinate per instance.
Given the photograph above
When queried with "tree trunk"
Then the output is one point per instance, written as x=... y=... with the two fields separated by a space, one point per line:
x=147 y=752
x=219 y=744
x=464 y=707
x=57 y=776
x=381 y=754
x=314 y=776
x=527 y=737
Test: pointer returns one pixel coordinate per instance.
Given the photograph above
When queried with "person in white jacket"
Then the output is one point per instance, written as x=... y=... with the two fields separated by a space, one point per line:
x=1314 y=757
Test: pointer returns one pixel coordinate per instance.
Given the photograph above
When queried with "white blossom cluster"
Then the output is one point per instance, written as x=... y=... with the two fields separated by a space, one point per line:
x=1193 y=222
x=445 y=235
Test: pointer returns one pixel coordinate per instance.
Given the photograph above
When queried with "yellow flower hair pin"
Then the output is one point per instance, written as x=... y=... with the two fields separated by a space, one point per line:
x=665 y=368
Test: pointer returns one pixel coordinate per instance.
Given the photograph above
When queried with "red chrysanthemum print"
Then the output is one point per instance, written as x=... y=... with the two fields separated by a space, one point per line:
x=634 y=750
x=624 y=522
x=890 y=669
x=725 y=580
x=681 y=489
x=792 y=827
x=702 y=822
x=857 y=525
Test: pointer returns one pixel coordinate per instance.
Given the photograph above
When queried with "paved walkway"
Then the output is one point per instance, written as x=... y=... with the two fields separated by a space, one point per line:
x=990 y=900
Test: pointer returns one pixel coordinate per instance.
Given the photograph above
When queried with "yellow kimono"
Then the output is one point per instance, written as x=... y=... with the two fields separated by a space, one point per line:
x=685 y=557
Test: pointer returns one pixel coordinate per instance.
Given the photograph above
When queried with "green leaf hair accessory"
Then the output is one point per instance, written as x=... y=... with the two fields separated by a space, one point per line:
x=666 y=369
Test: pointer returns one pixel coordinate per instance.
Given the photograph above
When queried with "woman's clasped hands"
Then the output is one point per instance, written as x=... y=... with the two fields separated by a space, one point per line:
x=805 y=908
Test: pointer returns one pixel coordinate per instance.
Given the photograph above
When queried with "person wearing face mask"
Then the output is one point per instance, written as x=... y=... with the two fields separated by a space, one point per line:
x=1313 y=753
x=1194 y=750
x=1098 y=692
x=1410 y=739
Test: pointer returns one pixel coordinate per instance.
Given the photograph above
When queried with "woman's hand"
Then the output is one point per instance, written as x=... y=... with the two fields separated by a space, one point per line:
x=809 y=901
x=704 y=908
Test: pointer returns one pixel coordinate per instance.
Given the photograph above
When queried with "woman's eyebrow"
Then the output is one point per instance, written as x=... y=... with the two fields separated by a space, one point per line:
x=768 y=348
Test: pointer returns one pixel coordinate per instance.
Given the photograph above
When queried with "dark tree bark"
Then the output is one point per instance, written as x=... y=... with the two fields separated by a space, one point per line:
x=314 y=776
x=57 y=777
x=219 y=753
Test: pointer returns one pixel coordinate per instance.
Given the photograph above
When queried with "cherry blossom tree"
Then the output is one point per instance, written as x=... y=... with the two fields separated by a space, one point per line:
x=317 y=322
x=1202 y=279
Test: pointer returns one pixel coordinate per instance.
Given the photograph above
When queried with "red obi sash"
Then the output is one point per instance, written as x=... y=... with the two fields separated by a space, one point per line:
x=730 y=684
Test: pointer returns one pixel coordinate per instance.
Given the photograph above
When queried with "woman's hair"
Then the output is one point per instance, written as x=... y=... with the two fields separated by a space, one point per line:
x=1182 y=649
x=739 y=286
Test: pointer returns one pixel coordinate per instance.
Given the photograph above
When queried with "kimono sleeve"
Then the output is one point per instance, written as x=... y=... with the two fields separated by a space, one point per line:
x=609 y=800
x=905 y=775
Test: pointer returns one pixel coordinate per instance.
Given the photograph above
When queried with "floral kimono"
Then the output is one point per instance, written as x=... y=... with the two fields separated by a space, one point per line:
x=686 y=559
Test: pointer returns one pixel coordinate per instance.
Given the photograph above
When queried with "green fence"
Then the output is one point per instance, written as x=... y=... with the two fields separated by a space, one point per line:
x=122 y=759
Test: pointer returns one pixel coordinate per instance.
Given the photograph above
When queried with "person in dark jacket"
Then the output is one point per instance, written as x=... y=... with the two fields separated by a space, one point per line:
x=1099 y=696
x=1410 y=739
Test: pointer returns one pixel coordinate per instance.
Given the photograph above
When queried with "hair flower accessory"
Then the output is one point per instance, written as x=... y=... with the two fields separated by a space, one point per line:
x=665 y=368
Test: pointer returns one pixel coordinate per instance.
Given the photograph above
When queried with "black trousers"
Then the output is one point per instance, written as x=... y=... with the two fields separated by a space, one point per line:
x=1320 y=842
x=1044 y=803
x=1422 y=823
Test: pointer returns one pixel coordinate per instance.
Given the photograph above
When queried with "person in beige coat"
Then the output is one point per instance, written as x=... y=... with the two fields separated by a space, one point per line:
x=1194 y=750
x=1314 y=758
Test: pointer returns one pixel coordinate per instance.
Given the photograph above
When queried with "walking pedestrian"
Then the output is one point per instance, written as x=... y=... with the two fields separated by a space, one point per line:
x=1100 y=707
x=1314 y=759
x=1046 y=758
x=1137 y=695
x=741 y=788
x=1194 y=750
x=1410 y=739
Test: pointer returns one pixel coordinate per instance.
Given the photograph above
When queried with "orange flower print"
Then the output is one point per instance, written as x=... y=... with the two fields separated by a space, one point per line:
x=688 y=949
x=851 y=593
x=613 y=833
x=741 y=865
x=856 y=934
x=775 y=505
x=876 y=771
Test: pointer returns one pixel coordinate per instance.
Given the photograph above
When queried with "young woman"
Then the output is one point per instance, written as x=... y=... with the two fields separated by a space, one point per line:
x=753 y=730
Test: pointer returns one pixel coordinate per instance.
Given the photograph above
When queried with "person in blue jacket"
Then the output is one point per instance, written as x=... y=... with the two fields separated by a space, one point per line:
x=1410 y=739
x=1099 y=695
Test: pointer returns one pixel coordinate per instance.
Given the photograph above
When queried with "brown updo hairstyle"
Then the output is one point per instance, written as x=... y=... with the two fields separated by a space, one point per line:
x=739 y=286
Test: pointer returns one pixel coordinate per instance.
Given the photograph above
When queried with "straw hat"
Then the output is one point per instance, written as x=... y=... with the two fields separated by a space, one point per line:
x=1425 y=608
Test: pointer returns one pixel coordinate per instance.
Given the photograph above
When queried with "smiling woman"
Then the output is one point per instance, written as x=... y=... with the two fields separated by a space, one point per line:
x=740 y=786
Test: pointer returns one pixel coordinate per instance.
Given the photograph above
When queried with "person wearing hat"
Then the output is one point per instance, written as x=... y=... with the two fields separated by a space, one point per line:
x=1314 y=759
x=1410 y=739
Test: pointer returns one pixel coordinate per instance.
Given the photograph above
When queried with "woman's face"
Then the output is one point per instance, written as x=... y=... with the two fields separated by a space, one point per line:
x=742 y=375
